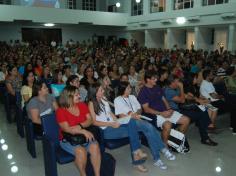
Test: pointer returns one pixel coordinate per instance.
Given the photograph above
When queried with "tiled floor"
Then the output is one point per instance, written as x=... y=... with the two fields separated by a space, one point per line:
x=201 y=161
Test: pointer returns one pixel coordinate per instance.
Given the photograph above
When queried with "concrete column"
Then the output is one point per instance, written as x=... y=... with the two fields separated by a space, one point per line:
x=197 y=38
x=169 y=5
x=231 y=38
x=146 y=7
x=169 y=39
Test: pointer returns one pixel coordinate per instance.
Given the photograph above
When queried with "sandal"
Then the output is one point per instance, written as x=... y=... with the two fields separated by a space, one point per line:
x=142 y=155
x=141 y=168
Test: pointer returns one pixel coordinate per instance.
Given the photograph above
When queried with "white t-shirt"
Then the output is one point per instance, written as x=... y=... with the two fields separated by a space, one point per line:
x=206 y=89
x=105 y=115
x=125 y=105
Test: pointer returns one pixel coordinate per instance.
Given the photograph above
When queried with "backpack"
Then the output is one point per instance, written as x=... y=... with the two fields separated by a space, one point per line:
x=178 y=142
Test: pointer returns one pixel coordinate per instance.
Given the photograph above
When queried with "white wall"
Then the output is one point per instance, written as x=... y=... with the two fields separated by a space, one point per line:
x=154 y=39
x=75 y=32
x=61 y=16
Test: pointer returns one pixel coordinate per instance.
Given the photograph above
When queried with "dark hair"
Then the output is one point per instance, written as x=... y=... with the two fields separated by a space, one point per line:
x=123 y=74
x=25 y=77
x=10 y=68
x=71 y=79
x=101 y=70
x=162 y=72
x=171 y=79
x=92 y=98
x=149 y=75
x=55 y=75
x=86 y=69
x=206 y=73
x=37 y=87
x=122 y=87
x=230 y=71
x=190 y=78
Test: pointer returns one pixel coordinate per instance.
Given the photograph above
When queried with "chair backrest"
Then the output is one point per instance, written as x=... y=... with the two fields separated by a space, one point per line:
x=50 y=127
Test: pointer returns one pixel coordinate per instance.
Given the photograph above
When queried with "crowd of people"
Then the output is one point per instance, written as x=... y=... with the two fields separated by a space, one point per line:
x=102 y=83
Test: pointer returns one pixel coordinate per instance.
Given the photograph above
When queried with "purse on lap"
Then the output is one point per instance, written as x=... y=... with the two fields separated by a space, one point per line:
x=77 y=139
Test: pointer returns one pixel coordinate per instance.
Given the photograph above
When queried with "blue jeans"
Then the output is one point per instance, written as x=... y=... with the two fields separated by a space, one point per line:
x=153 y=137
x=127 y=130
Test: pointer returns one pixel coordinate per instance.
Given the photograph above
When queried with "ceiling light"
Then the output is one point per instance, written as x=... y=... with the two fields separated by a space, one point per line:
x=218 y=169
x=9 y=156
x=4 y=147
x=117 y=4
x=2 y=141
x=138 y=1
x=14 y=169
x=49 y=24
x=180 y=20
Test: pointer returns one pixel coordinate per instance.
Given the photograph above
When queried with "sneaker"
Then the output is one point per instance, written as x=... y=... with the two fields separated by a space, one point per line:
x=168 y=154
x=160 y=164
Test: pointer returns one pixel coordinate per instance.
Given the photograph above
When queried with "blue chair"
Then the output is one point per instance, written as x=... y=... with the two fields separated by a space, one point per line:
x=112 y=143
x=31 y=137
x=7 y=106
x=52 y=151
x=20 y=116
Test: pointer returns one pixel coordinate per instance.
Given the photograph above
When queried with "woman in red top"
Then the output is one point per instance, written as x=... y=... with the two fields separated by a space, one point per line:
x=72 y=117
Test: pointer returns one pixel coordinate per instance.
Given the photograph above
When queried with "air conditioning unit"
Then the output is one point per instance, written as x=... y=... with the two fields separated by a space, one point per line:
x=168 y=21
x=227 y=15
x=194 y=19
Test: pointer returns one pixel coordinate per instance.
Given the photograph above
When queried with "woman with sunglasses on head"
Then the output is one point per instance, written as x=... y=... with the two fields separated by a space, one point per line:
x=73 y=117
x=128 y=105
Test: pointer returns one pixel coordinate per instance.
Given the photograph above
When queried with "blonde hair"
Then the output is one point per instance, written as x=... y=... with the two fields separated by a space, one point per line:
x=67 y=96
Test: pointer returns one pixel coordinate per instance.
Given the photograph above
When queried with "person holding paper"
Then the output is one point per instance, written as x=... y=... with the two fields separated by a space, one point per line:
x=128 y=105
x=104 y=118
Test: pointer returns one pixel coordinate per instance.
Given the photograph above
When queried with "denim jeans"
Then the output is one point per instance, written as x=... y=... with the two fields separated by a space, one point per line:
x=153 y=137
x=127 y=130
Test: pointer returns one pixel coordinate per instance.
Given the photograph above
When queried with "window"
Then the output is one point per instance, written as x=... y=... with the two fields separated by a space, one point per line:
x=71 y=4
x=157 y=6
x=89 y=5
x=8 y=2
x=214 y=2
x=137 y=8
x=183 y=4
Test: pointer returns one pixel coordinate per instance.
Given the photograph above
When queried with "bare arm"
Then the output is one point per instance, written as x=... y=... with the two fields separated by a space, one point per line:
x=10 y=89
x=35 y=116
x=93 y=114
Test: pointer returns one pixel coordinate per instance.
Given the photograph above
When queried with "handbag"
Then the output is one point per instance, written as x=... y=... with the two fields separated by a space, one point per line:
x=77 y=139
x=80 y=139
x=178 y=141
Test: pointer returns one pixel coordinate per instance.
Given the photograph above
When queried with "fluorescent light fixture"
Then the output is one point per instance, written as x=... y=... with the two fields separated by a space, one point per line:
x=138 y=1
x=118 y=4
x=180 y=20
x=49 y=24
x=14 y=169
x=218 y=169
